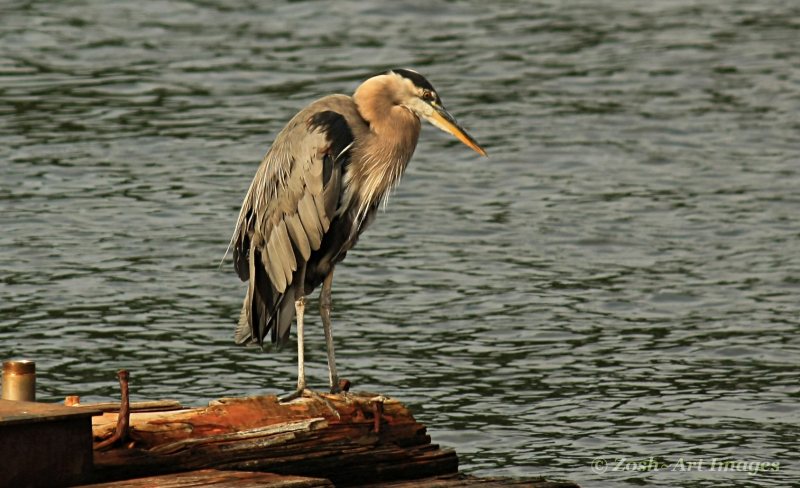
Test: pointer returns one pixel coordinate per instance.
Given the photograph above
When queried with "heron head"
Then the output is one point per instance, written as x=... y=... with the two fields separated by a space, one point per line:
x=418 y=95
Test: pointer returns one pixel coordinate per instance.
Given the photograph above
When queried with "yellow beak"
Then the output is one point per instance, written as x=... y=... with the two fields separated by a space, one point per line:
x=442 y=119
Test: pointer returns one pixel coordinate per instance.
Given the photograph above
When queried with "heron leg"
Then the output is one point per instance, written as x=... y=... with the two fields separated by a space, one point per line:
x=300 y=306
x=299 y=310
x=325 y=313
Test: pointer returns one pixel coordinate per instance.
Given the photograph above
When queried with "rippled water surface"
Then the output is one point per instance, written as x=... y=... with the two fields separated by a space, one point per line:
x=619 y=280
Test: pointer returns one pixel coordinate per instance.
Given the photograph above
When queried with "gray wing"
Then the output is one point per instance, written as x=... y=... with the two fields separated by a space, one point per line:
x=284 y=217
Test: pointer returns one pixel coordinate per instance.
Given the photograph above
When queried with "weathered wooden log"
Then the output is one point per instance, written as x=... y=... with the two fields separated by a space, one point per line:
x=328 y=436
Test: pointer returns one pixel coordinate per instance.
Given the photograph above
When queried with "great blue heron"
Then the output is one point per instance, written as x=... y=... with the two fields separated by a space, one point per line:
x=315 y=192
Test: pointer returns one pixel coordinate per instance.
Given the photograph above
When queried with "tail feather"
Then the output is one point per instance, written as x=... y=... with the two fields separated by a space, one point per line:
x=244 y=329
x=265 y=310
x=286 y=313
x=243 y=334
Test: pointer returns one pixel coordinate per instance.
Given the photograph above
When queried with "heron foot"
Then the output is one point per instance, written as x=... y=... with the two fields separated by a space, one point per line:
x=307 y=392
x=342 y=386
x=293 y=395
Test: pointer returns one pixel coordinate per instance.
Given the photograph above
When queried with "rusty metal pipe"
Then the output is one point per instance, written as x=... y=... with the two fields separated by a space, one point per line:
x=19 y=380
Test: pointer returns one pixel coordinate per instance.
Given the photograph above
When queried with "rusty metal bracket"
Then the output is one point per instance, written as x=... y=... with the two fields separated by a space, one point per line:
x=377 y=412
x=124 y=418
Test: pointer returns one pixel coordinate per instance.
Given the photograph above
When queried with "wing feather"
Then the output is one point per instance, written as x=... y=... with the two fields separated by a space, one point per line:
x=298 y=235
x=286 y=252
x=307 y=210
x=270 y=258
x=324 y=220
x=313 y=175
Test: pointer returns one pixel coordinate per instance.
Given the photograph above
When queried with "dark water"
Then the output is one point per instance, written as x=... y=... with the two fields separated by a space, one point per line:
x=619 y=280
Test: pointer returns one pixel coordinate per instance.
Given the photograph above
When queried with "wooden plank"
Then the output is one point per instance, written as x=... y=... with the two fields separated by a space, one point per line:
x=147 y=406
x=15 y=412
x=247 y=479
x=216 y=478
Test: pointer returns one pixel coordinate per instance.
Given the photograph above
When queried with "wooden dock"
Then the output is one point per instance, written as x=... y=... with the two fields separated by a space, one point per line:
x=38 y=439
x=358 y=439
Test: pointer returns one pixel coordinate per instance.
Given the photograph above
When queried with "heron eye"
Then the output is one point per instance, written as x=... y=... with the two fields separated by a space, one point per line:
x=428 y=96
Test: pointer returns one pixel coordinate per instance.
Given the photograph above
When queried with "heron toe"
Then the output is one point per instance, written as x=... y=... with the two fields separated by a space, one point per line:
x=307 y=392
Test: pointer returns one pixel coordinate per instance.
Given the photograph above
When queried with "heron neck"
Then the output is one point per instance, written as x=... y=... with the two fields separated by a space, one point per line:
x=382 y=155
